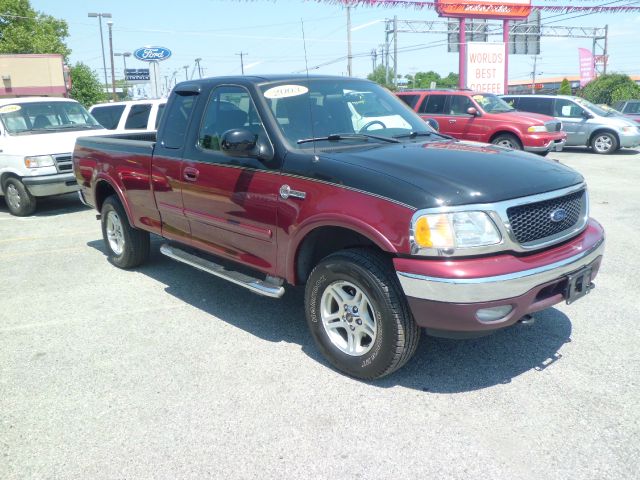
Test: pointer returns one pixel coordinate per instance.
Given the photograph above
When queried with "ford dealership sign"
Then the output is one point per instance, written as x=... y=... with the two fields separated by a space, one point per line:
x=152 y=54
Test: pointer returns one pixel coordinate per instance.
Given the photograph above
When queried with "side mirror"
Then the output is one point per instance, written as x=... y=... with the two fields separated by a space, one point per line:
x=586 y=114
x=433 y=123
x=472 y=111
x=240 y=142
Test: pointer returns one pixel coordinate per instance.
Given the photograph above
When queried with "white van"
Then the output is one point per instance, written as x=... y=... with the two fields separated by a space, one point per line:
x=37 y=136
x=129 y=116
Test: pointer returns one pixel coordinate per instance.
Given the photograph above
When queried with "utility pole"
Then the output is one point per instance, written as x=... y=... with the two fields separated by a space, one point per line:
x=124 y=56
x=395 y=50
x=113 y=71
x=100 y=16
x=198 y=60
x=241 y=55
x=533 y=75
x=349 y=58
x=186 y=72
x=374 y=58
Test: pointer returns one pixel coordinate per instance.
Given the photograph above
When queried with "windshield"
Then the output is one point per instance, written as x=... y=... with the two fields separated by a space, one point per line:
x=594 y=108
x=492 y=104
x=39 y=117
x=322 y=108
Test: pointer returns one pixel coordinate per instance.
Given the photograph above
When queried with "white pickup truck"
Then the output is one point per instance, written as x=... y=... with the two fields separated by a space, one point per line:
x=37 y=136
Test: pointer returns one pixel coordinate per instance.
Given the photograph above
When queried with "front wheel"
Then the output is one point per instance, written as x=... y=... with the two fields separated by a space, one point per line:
x=604 y=143
x=507 y=140
x=127 y=247
x=19 y=201
x=358 y=315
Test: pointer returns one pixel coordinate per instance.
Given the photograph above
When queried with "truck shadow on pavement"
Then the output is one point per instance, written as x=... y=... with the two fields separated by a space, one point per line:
x=439 y=365
x=51 y=206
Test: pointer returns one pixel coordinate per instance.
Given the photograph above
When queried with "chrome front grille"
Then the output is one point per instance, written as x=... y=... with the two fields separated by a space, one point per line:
x=64 y=163
x=535 y=222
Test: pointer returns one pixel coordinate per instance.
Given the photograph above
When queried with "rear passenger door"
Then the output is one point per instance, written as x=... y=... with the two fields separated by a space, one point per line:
x=230 y=201
x=458 y=122
x=432 y=106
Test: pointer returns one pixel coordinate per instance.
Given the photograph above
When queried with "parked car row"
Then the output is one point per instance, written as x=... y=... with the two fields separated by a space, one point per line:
x=536 y=123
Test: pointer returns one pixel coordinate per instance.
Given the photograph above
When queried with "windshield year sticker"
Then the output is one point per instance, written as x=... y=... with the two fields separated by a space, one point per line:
x=10 y=108
x=284 y=91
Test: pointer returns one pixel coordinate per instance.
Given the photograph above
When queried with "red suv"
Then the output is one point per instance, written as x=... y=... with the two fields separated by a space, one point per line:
x=484 y=117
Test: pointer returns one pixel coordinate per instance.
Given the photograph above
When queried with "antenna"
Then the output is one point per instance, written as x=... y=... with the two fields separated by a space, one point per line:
x=306 y=67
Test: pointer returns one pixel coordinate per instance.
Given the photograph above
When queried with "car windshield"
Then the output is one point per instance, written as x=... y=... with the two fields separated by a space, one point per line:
x=492 y=104
x=594 y=108
x=331 y=111
x=39 y=117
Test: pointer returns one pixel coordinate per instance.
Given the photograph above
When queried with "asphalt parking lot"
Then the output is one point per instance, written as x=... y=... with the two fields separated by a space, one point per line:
x=167 y=372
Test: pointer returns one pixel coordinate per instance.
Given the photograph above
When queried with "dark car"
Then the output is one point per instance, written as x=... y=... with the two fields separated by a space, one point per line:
x=630 y=108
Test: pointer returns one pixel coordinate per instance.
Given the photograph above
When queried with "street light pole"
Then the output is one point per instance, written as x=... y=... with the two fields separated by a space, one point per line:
x=198 y=60
x=104 y=62
x=186 y=72
x=113 y=71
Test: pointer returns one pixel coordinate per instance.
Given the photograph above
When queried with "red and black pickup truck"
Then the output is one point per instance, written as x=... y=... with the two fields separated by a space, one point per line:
x=335 y=184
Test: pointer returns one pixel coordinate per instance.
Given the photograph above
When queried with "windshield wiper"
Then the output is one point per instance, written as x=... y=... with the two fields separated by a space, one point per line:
x=415 y=134
x=334 y=137
x=73 y=125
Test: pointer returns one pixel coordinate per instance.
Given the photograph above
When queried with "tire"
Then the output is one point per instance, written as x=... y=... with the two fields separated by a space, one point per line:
x=377 y=320
x=543 y=154
x=19 y=201
x=127 y=247
x=507 y=140
x=604 y=143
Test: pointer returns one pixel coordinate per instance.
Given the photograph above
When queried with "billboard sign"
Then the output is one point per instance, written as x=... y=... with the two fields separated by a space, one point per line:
x=137 y=75
x=485 y=67
x=152 y=54
x=502 y=9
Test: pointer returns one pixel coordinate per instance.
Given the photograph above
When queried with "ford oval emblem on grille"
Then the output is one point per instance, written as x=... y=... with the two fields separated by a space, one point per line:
x=558 y=215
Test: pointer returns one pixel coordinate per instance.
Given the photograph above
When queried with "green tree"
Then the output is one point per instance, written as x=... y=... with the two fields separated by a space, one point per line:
x=25 y=30
x=610 y=88
x=85 y=86
x=380 y=76
x=565 y=87
x=424 y=79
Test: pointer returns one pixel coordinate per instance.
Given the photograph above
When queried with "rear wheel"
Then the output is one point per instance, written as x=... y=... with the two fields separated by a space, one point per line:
x=604 y=143
x=19 y=201
x=127 y=247
x=507 y=140
x=358 y=315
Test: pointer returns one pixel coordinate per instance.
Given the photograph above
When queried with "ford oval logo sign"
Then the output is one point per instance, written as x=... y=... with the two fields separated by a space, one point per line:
x=558 y=215
x=152 y=54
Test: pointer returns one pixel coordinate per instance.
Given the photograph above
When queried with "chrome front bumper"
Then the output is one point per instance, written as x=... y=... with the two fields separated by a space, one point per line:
x=487 y=289
x=552 y=146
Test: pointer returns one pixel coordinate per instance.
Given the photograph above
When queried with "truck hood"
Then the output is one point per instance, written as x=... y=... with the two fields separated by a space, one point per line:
x=54 y=143
x=439 y=173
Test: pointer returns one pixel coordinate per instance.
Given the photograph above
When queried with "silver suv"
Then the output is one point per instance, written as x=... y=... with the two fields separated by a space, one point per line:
x=586 y=124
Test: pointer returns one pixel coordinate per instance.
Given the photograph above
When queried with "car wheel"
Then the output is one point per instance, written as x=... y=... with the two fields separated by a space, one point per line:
x=543 y=154
x=604 y=143
x=358 y=315
x=126 y=246
x=19 y=201
x=508 y=141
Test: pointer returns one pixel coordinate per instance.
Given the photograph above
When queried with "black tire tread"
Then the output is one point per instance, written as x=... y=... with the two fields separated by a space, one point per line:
x=26 y=209
x=379 y=266
x=137 y=242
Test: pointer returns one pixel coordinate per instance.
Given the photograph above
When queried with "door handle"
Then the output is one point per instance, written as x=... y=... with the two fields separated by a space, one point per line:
x=190 y=174
x=452 y=121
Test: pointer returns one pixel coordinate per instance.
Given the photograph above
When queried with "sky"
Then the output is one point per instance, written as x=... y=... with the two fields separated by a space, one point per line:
x=269 y=34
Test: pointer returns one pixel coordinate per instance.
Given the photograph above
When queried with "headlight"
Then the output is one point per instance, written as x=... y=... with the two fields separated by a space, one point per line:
x=39 y=161
x=454 y=230
x=537 y=129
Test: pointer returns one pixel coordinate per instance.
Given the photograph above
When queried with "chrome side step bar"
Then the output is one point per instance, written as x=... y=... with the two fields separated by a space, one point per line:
x=268 y=287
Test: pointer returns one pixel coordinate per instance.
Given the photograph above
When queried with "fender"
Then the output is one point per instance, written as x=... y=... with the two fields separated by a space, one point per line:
x=505 y=128
x=103 y=177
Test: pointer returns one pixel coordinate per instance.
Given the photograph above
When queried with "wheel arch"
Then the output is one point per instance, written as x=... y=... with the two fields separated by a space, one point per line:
x=506 y=131
x=317 y=241
x=103 y=189
x=603 y=130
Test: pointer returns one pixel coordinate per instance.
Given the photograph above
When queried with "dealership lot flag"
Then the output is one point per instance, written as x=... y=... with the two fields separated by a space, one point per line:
x=587 y=66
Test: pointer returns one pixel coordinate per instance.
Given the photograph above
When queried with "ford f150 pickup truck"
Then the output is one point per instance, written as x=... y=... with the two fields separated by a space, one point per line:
x=269 y=181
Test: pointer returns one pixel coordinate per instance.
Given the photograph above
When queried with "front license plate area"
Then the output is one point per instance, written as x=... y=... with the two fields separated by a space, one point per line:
x=578 y=285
